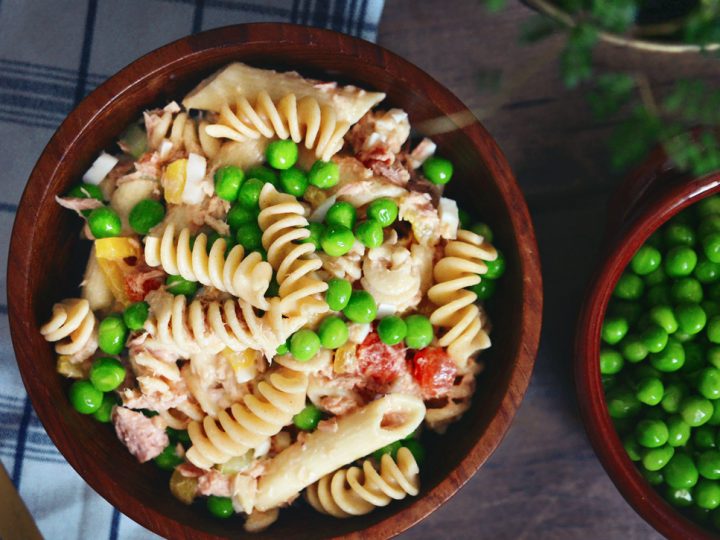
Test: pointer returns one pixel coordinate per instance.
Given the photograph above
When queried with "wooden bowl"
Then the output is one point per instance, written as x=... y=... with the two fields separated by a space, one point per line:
x=45 y=266
x=643 y=37
x=654 y=194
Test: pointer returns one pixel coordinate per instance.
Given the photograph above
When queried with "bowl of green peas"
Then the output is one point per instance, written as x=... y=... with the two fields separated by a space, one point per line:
x=647 y=356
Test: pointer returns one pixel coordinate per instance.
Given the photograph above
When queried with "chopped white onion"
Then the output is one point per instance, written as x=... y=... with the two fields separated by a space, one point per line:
x=100 y=169
x=263 y=449
x=166 y=147
x=357 y=332
x=319 y=214
x=384 y=310
x=449 y=218
x=193 y=192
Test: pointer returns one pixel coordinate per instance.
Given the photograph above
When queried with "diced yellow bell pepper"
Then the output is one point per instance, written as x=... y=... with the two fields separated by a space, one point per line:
x=67 y=369
x=116 y=249
x=110 y=254
x=184 y=488
x=243 y=363
x=173 y=180
x=345 y=358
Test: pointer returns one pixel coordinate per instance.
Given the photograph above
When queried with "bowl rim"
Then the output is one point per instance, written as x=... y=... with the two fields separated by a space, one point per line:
x=648 y=216
x=92 y=106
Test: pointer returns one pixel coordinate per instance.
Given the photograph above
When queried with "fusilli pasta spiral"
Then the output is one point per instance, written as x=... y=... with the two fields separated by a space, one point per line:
x=354 y=491
x=184 y=133
x=458 y=269
x=179 y=417
x=209 y=327
x=301 y=119
x=282 y=220
x=251 y=422
x=71 y=327
x=247 y=278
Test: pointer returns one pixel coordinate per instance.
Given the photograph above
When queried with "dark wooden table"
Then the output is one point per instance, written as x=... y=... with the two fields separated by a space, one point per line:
x=544 y=482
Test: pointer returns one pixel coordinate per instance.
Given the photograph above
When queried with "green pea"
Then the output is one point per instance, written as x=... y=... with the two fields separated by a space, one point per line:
x=711 y=246
x=704 y=437
x=713 y=330
x=629 y=287
x=650 y=391
x=622 y=403
x=496 y=268
x=485 y=289
x=104 y=412
x=104 y=223
x=678 y=431
x=687 y=290
x=646 y=260
x=135 y=315
x=282 y=349
x=370 y=233
x=664 y=317
x=708 y=206
x=680 y=261
x=392 y=330
x=707 y=494
x=249 y=194
x=674 y=394
x=228 y=181
x=670 y=359
x=168 y=459
x=658 y=295
x=679 y=234
x=465 y=218
x=614 y=329
x=361 y=307
x=333 y=332
x=691 y=318
x=679 y=497
x=391 y=449
x=239 y=215
x=308 y=418
x=416 y=449
x=337 y=240
x=85 y=398
x=651 y=433
x=264 y=174
x=324 y=174
x=656 y=277
x=708 y=464
x=294 y=181
x=316 y=232
x=249 y=236
x=179 y=285
x=438 y=170
x=484 y=230
x=633 y=449
x=709 y=383
x=655 y=459
x=86 y=191
x=680 y=472
x=696 y=410
x=384 y=211
x=654 y=478
x=112 y=334
x=304 y=344
x=707 y=271
x=654 y=338
x=145 y=215
x=713 y=356
x=106 y=374
x=633 y=349
x=611 y=361
x=281 y=154
x=220 y=507
x=341 y=213
x=419 y=332
x=338 y=294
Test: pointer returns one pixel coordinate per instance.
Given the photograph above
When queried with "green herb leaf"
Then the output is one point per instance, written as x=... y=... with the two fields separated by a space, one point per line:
x=613 y=90
x=576 y=59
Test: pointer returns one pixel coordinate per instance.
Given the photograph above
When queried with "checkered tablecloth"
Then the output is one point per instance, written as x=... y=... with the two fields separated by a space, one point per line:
x=52 y=53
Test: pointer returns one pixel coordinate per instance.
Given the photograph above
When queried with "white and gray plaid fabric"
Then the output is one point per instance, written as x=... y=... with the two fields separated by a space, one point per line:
x=52 y=53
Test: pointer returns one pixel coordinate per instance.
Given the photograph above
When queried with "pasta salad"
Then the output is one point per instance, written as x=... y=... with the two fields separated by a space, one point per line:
x=278 y=298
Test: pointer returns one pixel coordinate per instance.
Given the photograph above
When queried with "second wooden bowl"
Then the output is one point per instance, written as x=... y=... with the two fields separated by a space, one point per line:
x=44 y=268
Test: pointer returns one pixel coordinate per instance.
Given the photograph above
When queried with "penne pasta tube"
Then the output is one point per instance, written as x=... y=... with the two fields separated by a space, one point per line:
x=358 y=434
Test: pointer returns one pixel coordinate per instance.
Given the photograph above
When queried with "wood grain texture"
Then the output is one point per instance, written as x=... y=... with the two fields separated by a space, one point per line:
x=544 y=482
x=664 y=195
x=16 y=523
x=45 y=267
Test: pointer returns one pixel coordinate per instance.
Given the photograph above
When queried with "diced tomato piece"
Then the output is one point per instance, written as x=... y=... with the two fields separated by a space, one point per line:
x=434 y=371
x=380 y=362
x=139 y=284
